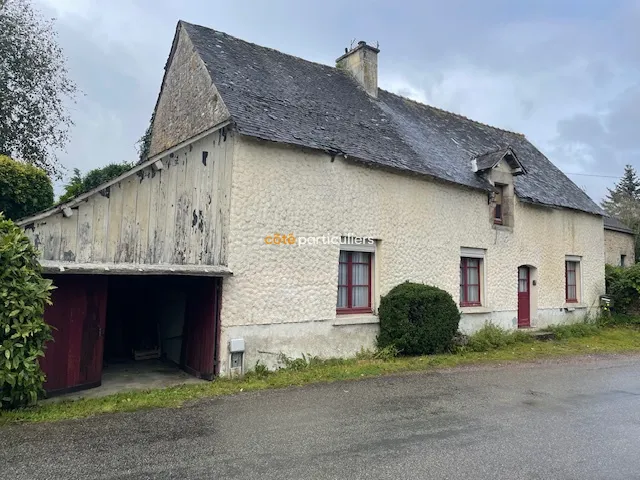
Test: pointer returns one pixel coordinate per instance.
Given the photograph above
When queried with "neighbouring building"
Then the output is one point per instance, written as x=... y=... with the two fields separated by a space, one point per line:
x=619 y=243
x=283 y=198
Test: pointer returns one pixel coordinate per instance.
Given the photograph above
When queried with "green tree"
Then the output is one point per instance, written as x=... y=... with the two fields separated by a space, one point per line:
x=623 y=202
x=23 y=332
x=144 y=144
x=79 y=184
x=34 y=86
x=24 y=189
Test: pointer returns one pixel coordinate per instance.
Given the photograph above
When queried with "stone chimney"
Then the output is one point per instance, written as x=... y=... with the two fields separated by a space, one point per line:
x=362 y=63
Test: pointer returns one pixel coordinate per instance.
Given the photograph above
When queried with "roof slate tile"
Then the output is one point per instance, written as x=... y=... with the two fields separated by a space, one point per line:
x=282 y=98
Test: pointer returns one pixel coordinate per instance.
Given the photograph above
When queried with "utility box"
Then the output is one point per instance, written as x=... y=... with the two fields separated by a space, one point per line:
x=236 y=345
x=236 y=356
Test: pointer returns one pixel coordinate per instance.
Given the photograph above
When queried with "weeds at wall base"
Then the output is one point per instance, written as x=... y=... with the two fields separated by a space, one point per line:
x=607 y=340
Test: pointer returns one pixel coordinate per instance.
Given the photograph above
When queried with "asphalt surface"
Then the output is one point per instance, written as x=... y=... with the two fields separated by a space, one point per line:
x=577 y=419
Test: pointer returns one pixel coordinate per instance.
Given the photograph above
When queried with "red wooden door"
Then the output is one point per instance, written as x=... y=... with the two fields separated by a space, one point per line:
x=524 y=298
x=199 y=347
x=73 y=360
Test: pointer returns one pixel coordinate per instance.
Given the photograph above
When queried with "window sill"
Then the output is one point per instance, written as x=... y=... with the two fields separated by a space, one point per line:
x=502 y=228
x=355 y=319
x=477 y=309
x=571 y=306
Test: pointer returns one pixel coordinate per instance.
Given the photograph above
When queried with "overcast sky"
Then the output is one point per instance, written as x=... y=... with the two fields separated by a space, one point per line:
x=566 y=73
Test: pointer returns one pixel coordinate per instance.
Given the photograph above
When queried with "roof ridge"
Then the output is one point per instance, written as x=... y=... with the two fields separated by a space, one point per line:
x=334 y=68
x=324 y=65
x=459 y=115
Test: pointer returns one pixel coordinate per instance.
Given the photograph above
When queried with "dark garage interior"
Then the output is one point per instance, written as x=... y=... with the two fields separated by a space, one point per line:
x=132 y=327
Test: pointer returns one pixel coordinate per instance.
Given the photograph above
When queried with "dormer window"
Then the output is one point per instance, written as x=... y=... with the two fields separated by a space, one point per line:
x=498 y=211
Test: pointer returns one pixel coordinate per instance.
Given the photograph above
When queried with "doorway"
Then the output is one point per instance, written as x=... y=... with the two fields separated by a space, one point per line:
x=169 y=319
x=107 y=325
x=524 y=297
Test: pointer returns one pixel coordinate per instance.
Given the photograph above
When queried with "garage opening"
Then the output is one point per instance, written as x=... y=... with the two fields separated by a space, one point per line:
x=129 y=332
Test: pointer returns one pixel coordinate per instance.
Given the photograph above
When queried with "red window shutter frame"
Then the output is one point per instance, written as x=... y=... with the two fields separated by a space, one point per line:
x=464 y=301
x=567 y=285
x=349 y=308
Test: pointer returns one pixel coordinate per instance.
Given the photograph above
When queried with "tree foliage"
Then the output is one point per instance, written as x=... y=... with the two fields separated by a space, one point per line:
x=418 y=319
x=623 y=286
x=79 y=184
x=34 y=86
x=23 y=332
x=144 y=144
x=24 y=189
x=623 y=202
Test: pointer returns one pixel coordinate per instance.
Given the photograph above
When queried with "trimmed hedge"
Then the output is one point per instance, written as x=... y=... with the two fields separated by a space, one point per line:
x=24 y=189
x=418 y=319
x=23 y=332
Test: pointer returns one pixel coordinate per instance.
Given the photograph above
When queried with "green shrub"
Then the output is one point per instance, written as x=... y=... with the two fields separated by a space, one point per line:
x=623 y=286
x=491 y=337
x=24 y=189
x=417 y=319
x=619 y=320
x=23 y=332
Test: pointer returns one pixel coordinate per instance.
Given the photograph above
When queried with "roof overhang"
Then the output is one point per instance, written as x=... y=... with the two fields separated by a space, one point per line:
x=49 y=266
x=628 y=231
x=152 y=162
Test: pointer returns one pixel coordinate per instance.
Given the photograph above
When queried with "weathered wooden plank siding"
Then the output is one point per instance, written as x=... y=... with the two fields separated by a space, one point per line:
x=177 y=215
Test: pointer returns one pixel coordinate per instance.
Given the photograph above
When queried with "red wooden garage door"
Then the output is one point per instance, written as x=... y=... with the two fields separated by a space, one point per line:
x=73 y=360
x=201 y=327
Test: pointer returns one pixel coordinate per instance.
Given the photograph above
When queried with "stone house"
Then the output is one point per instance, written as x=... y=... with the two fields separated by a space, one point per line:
x=283 y=198
x=619 y=243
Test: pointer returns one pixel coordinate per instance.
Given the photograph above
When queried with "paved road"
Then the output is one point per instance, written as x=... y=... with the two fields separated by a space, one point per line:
x=571 y=420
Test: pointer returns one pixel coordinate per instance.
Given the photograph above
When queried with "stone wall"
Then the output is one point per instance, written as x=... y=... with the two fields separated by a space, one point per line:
x=617 y=244
x=189 y=102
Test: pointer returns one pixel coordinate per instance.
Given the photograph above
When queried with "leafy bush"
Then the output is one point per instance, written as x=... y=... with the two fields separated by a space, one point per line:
x=491 y=337
x=79 y=184
x=619 y=320
x=23 y=332
x=623 y=286
x=417 y=319
x=24 y=189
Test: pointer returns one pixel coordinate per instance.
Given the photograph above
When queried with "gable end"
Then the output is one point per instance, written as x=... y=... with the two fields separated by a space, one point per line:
x=189 y=103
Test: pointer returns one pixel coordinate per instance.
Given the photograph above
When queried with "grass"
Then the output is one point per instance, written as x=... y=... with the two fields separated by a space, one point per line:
x=573 y=341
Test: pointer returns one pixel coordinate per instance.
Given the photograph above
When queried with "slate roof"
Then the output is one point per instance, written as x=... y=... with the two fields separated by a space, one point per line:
x=282 y=98
x=612 y=223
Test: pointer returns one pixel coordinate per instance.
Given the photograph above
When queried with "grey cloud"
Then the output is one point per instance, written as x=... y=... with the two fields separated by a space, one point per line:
x=623 y=121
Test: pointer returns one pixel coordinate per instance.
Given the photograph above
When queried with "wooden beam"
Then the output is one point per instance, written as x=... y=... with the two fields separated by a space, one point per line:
x=49 y=266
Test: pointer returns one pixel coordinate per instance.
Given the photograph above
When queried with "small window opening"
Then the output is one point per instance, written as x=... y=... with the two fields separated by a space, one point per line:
x=498 y=210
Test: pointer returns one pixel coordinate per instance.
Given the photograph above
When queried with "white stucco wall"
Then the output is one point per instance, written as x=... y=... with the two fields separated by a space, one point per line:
x=282 y=298
x=616 y=244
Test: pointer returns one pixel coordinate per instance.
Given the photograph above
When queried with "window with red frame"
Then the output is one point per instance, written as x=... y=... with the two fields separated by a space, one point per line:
x=571 y=275
x=470 y=282
x=497 y=211
x=354 y=282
